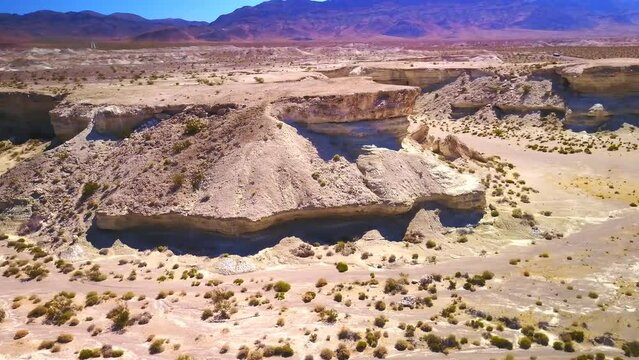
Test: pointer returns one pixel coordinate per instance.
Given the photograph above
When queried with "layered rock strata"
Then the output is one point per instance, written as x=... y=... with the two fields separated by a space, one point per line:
x=238 y=172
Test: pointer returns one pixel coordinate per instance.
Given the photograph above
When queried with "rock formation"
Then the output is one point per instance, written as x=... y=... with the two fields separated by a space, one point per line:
x=598 y=111
x=25 y=115
x=452 y=148
x=348 y=107
x=424 y=226
x=617 y=75
x=238 y=172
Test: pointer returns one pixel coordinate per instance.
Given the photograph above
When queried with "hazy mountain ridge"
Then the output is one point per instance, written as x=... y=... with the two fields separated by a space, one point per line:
x=344 y=20
x=425 y=19
x=51 y=25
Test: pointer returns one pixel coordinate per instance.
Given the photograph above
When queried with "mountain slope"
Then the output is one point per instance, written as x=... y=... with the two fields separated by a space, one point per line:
x=86 y=25
x=345 y=20
x=436 y=19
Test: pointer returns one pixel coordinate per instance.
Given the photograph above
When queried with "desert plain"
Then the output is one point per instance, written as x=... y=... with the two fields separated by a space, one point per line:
x=320 y=202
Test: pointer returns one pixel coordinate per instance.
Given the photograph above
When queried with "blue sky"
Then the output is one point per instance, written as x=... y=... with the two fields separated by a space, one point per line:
x=205 y=10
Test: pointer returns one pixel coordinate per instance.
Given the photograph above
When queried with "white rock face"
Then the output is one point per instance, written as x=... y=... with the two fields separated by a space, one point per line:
x=235 y=265
x=73 y=253
x=252 y=172
x=598 y=110
x=426 y=225
x=358 y=71
x=403 y=177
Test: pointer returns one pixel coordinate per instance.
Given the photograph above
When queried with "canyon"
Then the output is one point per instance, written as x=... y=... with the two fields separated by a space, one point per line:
x=476 y=199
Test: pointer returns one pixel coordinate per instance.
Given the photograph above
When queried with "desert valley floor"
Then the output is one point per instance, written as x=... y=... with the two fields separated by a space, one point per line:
x=328 y=202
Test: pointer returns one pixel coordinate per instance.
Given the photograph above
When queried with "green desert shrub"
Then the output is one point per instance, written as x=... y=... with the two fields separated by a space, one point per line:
x=37 y=312
x=501 y=343
x=308 y=296
x=361 y=346
x=631 y=348
x=342 y=352
x=92 y=298
x=89 y=354
x=380 y=305
x=525 y=343
x=327 y=354
x=380 y=352
x=284 y=351
x=193 y=126
x=342 y=267
x=541 y=338
x=402 y=344
x=89 y=188
x=157 y=346
x=60 y=309
x=380 y=321
x=46 y=344
x=64 y=338
x=321 y=282
x=20 y=334
x=437 y=344
x=281 y=287
x=120 y=316
x=394 y=286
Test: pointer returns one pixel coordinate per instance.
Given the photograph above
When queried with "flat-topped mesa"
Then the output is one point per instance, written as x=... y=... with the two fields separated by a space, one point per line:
x=606 y=75
x=388 y=183
x=311 y=99
x=421 y=76
x=275 y=175
x=232 y=171
x=374 y=105
x=519 y=95
x=470 y=95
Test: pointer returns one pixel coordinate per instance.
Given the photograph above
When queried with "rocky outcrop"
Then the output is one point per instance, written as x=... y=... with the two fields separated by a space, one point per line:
x=399 y=177
x=465 y=97
x=421 y=77
x=452 y=148
x=241 y=172
x=520 y=95
x=424 y=226
x=25 y=115
x=348 y=107
x=70 y=119
x=607 y=75
x=598 y=111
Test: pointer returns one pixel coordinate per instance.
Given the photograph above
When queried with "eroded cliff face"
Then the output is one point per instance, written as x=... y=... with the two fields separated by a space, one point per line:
x=420 y=77
x=359 y=103
x=468 y=95
x=239 y=172
x=68 y=120
x=25 y=115
x=616 y=77
x=348 y=107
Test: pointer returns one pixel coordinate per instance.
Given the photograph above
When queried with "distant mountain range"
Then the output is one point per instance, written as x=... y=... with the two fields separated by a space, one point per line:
x=344 y=20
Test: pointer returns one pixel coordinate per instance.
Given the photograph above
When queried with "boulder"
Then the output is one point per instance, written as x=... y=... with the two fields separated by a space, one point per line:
x=401 y=177
x=424 y=226
x=73 y=253
x=408 y=301
x=235 y=265
x=598 y=110
x=452 y=148
x=373 y=235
